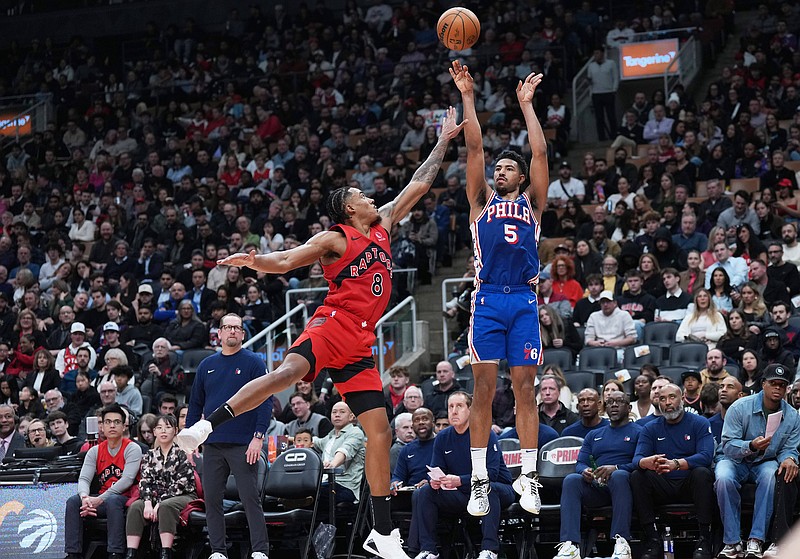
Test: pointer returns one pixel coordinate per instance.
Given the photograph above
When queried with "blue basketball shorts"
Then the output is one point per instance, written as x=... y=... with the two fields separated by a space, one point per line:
x=505 y=325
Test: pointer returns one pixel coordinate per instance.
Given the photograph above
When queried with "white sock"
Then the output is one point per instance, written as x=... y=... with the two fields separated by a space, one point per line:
x=529 y=456
x=478 y=456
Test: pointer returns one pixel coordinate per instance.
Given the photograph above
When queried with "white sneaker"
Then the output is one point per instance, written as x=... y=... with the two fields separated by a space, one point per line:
x=478 y=504
x=732 y=551
x=486 y=554
x=386 y=547
x=192 y=437
x=258 y=555
x=427 y=555
x=621 y=548
x=528 y=487
x=753 y=549
x=217 y=556
x=772 y=550
x=567 y=550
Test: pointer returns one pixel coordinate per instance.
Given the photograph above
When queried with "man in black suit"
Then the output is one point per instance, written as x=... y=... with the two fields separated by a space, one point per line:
x=150 y=262
x=200 y=295
x=10 y=439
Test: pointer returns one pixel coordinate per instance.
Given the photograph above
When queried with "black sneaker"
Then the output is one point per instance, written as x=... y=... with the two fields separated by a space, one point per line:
x=652 y=550
x=702 y=550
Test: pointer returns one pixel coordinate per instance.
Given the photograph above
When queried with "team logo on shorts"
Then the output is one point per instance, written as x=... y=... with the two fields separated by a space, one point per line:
x=317 y=322
x=530 y=352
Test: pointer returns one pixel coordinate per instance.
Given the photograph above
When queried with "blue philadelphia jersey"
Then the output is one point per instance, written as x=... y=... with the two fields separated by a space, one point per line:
x=505 y=311
x=506 y=237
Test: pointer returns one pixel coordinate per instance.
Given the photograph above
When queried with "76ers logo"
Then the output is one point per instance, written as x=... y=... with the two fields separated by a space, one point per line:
x=531 y=352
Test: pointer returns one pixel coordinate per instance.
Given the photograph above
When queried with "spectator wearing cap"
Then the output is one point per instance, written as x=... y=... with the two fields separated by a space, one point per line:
x=565 y=187
x=67 y=358
x=692 y=382
x=144 y=298
x=610 y=326
x=772 y=350
x=749 y=453
x=110 y=338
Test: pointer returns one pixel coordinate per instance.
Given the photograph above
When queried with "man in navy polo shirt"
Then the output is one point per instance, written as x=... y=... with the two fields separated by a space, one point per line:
x=602 y=477
x=674 y=456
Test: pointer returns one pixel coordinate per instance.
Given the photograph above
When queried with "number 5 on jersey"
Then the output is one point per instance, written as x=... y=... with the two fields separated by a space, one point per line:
x=510 y=233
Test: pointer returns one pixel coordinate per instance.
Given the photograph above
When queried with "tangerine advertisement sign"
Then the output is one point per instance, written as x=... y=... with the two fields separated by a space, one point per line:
x=647 y=60
x=13 y=123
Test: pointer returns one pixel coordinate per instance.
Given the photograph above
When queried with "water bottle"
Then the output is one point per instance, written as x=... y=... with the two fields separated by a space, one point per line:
x=669 y=546
x=594 y=466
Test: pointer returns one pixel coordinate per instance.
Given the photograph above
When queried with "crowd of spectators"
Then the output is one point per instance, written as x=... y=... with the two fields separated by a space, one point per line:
x=112 y=219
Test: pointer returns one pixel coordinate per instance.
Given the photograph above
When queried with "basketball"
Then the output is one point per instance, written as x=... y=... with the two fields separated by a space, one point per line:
x=458 y=28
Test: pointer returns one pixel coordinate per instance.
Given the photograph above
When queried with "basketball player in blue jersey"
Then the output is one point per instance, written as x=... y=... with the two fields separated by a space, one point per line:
x=504 y=221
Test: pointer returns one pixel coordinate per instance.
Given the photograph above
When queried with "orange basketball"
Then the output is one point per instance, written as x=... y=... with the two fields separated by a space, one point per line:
x=458 y=28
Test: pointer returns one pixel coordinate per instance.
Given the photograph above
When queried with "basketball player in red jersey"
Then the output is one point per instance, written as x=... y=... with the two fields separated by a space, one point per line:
x=357 y=262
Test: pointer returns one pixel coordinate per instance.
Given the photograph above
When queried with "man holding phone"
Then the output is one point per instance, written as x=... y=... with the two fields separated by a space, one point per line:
x=760 y=438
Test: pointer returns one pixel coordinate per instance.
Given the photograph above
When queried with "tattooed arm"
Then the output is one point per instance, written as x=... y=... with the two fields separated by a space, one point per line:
x=421 y=182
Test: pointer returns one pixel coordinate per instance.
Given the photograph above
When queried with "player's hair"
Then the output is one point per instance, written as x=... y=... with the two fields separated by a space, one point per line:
x=336 y=202
x=520 y=161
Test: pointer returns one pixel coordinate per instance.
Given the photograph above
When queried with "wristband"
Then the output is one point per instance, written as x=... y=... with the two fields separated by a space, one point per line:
x=677 y=464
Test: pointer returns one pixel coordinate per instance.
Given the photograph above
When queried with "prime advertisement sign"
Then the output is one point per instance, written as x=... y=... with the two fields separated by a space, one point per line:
x=32 y=520
x=647 y=60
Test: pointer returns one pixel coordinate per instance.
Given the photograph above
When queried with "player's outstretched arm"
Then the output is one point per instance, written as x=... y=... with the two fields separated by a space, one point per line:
x=539 y=168
x=318 y=246
x=423 y=177
x=477 y=189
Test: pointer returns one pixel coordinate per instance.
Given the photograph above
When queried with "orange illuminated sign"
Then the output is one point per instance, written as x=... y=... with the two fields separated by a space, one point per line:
x=15 y=123
x=647 y=60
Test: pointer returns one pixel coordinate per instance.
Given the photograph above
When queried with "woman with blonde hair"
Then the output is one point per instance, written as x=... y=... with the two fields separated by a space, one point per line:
x=753 y=308
x=556 y=333
x=703 y=323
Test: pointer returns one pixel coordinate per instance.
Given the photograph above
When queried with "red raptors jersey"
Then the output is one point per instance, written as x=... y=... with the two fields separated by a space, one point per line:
x=360 y=282
x=109 y=468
